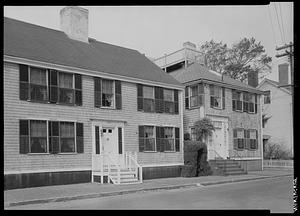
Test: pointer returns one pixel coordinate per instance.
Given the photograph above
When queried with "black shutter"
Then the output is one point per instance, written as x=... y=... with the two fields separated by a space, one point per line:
x=159 y=102
x=118 y=92
x=235 y=140
x=187 y=97
x=97 y=91
x=158 y=139
x=120 y=140
x=255 y=108
x=246 y=138
x=211 y=93
x=256 y=142
x=163 y=141
x=97 y=140
x=79 y=138
x=141 y=139
x=24 y=136
x=223 y=98
x=53 y=86
x=78 y=90
x=176 y=101
x=54 y=137
x=177 y=139
x=24 y=82
x=139 y=97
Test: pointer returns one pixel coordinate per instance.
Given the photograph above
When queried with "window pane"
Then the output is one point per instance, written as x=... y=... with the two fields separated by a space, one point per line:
x=149 y=132
x=65 y=80
x=67 y=145
x=194 y=101
x=169 y=145
x=216 y=101
x=168 y=132
x=200 y=89
x=38 y=145
x=252 y=134
x=38 y=92
x=194 y=90
x=150 y=144
x=148 y=92
x=148 y=105
x=168 y=95
x=66 y=96
x=217 y=91
x=240 y=143
x=38 y=129
x=67 y=129
x=107 y=100
x=240 y=134
x=38 y=76
x=107 y=86
x=169 y=107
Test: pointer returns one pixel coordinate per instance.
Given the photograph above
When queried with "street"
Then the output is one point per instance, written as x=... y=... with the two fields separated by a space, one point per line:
x=274 y=194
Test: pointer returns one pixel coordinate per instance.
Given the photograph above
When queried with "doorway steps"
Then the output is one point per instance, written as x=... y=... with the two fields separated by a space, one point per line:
x=226 y=167
x=127 y=176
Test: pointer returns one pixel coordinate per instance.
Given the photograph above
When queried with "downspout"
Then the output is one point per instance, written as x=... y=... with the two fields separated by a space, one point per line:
x=261 y=133
x=181 y=106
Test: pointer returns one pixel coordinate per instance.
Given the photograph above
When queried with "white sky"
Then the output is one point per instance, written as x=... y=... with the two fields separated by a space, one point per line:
x=156 y=30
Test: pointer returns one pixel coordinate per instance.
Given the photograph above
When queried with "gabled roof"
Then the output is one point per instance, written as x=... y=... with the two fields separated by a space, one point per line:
x=196 y=72
x=42 y=44
x=276 y=84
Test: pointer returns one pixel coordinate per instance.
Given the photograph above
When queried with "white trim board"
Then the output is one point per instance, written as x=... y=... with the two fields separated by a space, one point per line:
x=161 y=165
x=47 y=170
x=87 y=72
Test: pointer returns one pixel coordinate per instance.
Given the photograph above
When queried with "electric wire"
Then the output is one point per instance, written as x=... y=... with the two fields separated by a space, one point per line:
x=278 y=23
x=273 y=32
x=282 y=22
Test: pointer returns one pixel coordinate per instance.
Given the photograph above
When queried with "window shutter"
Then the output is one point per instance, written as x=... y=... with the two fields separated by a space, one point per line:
x=256 y=142
x=177 y=139
x=97 y=140
x=141 y=139
x=162 y=142
x=24 y=82
x=211 y=102
x=54 y=138
x=53 y=86
x=223 y=98
x=235 y=140
x=79 y=138
x=78 y=90
x=24 y=136
x=255 y=107
x=139 y=97
x=246 y=138
x=176 y=101
x=97 y=91
x=159 y=102
x=187 y=97
x=118 y=92
x=120 y=140
x=158 y=139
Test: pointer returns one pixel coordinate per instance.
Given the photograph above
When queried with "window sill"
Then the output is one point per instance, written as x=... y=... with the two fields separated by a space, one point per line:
x=170 y=151
x=240 y=111
x=150 y=151
x=67 y=153
x=217 y=108
x=54 y=103
x=38 y=153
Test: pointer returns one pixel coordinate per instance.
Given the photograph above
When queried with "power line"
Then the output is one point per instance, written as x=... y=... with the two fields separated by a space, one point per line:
x=282 y=22
x=272 y=25
x=278 y=23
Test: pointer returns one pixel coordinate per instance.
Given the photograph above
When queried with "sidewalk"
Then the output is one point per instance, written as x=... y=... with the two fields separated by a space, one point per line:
x=91 y=190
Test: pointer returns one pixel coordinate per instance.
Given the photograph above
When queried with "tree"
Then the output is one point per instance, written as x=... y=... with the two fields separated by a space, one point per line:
x=242 y=58
x=203 y=129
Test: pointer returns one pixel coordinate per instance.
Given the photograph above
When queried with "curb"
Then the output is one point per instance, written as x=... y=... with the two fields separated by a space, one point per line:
x=115 y=193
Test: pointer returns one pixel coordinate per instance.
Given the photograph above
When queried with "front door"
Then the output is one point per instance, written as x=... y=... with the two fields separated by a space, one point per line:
x=109 y=145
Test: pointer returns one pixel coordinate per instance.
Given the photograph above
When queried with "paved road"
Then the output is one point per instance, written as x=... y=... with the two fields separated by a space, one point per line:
x=274 y=194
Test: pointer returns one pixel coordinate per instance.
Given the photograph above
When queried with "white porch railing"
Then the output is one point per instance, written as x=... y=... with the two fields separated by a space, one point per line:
x=132 y=164
x=279 y=163
x=113 y=167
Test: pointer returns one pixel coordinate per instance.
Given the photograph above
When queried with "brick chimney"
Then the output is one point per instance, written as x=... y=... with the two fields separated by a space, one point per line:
x=253 y=79
x=283 y=74
x=74 y=22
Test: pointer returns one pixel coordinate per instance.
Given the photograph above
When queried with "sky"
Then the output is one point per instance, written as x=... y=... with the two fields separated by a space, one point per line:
x=158 y=30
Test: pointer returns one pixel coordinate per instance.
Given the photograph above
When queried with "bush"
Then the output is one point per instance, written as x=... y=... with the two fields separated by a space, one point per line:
x=188 y=171
x=187 y=136
x=276 y=151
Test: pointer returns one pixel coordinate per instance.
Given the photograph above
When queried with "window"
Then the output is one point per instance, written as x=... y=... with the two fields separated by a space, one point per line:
x=267 y=97
x=67 y=137
x=38 y=136
x=66 y=88
x=217 y=97
x=41 y=136
x=169 y=100
x=253 y=139
x=194 y=96
x=238 y=139
x=146 y=138
x=148 y=94
x=237 y=104
x=47 y=85
x=169 y=139
x=193 y=134
x=107 y=93
x=157 y=99
x=252 y=103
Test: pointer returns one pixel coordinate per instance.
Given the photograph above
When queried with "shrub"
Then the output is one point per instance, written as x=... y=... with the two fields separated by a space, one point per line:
x=276 y=151
x=203 y=128
x=187 y=136
x=188 y=171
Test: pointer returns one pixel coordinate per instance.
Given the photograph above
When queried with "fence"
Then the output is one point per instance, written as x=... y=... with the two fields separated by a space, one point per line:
x=279 y=163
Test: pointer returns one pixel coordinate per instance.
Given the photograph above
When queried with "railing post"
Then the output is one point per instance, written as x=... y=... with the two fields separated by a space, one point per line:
x=141 y=174
x=101 y=168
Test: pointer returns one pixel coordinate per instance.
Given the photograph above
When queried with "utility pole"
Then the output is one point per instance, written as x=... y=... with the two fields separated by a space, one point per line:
x=290 y=53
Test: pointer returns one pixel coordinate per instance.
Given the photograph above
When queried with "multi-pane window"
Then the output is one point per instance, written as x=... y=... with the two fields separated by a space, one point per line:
x=157 y=99
x=169 y=100
x=267 y=97
x=159 y=139
x=67 y=137
x=47 y=85
x=148 y=95
x=41 y=136
x=238 y=139
x=253 y=139
x=217 y=97
x=107 y=93
x=66 y=88
x=252 y=103
x=169 y=139
x=149 y=138
x=194 y=96
x=237 y=104
x=38 y=136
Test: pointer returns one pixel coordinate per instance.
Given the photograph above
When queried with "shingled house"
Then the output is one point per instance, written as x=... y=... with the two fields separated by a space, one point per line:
x=80 y=110
x=233 y=106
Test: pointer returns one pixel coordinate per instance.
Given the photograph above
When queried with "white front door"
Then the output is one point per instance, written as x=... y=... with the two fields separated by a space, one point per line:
x=109 y=141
